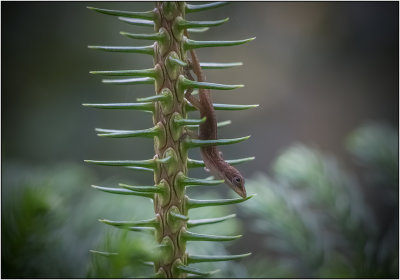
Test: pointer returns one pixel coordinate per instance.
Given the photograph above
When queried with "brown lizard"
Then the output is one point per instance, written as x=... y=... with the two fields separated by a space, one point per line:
x=208 y=131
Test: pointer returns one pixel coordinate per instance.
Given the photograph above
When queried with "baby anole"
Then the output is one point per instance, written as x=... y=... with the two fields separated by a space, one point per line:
x=208 y=131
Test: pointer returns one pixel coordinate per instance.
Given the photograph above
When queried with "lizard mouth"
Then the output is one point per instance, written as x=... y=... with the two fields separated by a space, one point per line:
x=240 y=191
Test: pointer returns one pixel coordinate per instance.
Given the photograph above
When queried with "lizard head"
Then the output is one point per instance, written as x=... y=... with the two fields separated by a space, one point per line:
x=236 y=181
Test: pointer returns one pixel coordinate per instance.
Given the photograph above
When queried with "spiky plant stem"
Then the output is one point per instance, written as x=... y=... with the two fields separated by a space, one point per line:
x=171 y=227
x=171 y=133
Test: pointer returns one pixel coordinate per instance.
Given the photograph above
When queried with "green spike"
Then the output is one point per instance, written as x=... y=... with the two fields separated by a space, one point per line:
x=178 y=216
x=121 y=191
x=139 y=22
x=219 y=124
x=186 y=83
x=187 y=122
x=188 y=269
x=142 y=49
x=150 y=222
x=148 y=263
x=198 y=30
x=200 y=222
x=224 y=123
x=239 y=161
x=216 y=65
x=193 y=44
x=202 y=7
x=186 y=181
x=140 y=168
x=140 y=163
x=192 y=143
x=231 y=107
x=225 y=107
x=158 y=97
x=133 y=81
x=194 y=203
x=151 y=132
x=147 y=189
x=177 y=61
x=142 y=229
x=149 y=15
x=153 y=36
x=200 y=258
x=104 y=254
x=193 y=163
x=183 y=24
x=132 y=73
x=191 y=236
x=147 y=106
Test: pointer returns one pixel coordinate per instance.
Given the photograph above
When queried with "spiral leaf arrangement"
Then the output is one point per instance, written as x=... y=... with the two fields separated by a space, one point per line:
x=171 y=225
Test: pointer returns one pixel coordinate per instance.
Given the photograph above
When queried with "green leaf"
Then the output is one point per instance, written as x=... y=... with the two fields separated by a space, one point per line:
x=186 y=83
x=194 y=203
x=149 y=15
x=177 y=61
x=224 y=123
x=191 y=236
x=200 y=258
x=159 y=97
x=225 y=107
x=178 y=216
x=148 y=264
x=193 y=163
x=216 y=65
x=139 y=22
x=200 y=222
x=152 y=36
x=133 y=81
x=140 y=168
x=186 y=181
x=132 y=73
x=151 y=222
x=147 y=189
x=192 y=143
x=104 y=254
x=142 y=229
x=147 y=106
x=187 y=122
x=193 y=44
x=188 y=269
x=219 y=124
x=114 y=133
x=122 y=191
x=149 y=163
x=183 y=24
x=202 y=7
x=197 y=30
x=141 y=49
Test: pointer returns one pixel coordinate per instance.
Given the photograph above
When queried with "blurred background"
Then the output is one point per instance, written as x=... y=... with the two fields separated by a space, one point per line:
x=325 y=137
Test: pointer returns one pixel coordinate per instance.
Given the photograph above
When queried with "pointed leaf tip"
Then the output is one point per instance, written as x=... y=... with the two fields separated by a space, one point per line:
x=149 y=15
x=200 y=222
x=192 y=236
x=202 y=258
x=190 y=8
x=194 y=44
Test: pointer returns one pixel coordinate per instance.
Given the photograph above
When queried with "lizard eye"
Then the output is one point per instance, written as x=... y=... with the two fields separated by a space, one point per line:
x=237 y=180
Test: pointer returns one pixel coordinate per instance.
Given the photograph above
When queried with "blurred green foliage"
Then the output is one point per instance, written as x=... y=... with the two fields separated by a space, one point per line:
x=312 y=215
x=311 y=218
